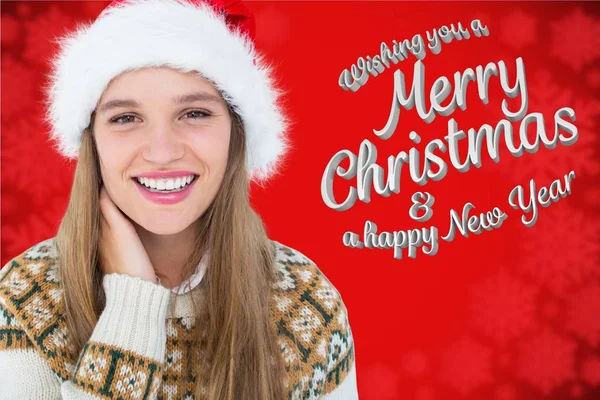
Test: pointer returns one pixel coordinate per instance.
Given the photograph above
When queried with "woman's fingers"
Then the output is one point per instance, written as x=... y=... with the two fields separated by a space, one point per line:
x=120 y=247
x=113 y=216
x=105 y=206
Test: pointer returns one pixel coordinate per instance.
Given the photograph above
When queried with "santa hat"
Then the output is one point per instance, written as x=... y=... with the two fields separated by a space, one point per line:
x=213 y=37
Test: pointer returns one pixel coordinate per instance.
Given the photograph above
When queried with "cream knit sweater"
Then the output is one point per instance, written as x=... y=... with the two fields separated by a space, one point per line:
x=139 y=349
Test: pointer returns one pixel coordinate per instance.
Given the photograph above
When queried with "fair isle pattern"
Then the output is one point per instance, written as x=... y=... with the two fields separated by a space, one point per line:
x=314 y=335
x=307 y=313
x=116 y=374
x=30 y=291
x=184 y=360
x=11 y=335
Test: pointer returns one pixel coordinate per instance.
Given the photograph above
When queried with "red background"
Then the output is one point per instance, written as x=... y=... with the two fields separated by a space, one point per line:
x=508 y=314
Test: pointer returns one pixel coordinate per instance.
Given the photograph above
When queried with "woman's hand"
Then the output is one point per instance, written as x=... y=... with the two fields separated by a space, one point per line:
x=120 y=248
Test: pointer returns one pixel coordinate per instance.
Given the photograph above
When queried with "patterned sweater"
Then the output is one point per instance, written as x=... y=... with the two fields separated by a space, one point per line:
x=142 y=349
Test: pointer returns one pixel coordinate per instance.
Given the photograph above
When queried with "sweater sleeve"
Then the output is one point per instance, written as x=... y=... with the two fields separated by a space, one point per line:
x=123 y=358
x=347 y=390
x=24 y=374
x=340 y=380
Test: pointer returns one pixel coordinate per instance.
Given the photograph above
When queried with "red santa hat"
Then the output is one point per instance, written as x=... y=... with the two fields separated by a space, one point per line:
x=213 y=37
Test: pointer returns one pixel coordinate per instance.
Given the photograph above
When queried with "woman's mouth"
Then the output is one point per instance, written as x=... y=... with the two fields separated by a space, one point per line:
x=170 y=185
x=166 y=191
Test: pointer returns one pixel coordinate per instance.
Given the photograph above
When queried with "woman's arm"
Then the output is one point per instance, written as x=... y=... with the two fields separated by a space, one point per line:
x=24 y=374
x=124 y=357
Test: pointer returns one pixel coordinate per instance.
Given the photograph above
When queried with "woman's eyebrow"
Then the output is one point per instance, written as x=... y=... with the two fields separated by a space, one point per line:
x=177 y=100
x=118 y=103
x=192 y=97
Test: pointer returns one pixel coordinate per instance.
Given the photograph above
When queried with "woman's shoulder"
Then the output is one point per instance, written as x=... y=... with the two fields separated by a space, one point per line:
x=31 y=313
x=295 y=269
x=30 y=282
x=299 y=275
x=312 y=323
x=35 y=266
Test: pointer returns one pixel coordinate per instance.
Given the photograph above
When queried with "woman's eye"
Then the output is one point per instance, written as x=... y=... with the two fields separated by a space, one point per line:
x=196 y=114
x=128 y=118
x=123 y=119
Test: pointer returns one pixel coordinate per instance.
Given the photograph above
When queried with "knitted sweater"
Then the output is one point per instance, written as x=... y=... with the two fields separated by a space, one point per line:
x=142 y=349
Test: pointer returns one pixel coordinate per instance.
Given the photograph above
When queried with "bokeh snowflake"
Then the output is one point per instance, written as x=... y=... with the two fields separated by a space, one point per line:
x=576 y=391
x=19 y=92
x=590 y=370
x=466 y=365
x=24 y=10
x=27 y=231
x=40 y=33
x=425 y=393
x=502 y=307
x=506 y=391
x=518 y=29
x=25 y=144
x=583 y=313
x=415 y=363
x=576 y=39
x=11 y=30
x=593 y=78
x=546 y=360
x=562 y=249
x=591 y=197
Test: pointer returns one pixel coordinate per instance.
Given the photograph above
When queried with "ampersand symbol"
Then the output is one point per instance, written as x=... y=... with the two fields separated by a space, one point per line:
x=421 y=201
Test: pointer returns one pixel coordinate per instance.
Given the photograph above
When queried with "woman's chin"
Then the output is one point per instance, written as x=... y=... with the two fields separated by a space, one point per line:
x=161 y=220
x=164 y=229
x=161 y=226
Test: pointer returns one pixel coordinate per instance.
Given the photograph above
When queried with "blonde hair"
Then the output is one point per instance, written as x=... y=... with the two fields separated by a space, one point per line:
x=243 y=358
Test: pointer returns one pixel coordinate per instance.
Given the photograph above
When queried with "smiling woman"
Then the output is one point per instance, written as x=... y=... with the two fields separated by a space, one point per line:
x=161 y=281
x=156 y=124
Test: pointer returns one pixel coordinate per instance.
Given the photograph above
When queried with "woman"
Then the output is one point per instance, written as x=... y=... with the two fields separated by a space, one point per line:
x=161 y=282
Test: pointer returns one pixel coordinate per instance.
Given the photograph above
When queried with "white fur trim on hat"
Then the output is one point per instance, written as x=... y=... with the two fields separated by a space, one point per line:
x=151 y=33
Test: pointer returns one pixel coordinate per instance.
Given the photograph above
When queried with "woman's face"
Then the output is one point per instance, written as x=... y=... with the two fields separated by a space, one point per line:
x=162 y=126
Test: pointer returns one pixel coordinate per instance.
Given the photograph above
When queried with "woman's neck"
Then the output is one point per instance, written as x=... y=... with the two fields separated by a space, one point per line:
x=168 y=253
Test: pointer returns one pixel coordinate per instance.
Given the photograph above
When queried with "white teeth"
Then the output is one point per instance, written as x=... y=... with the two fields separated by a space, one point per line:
x=166 y=184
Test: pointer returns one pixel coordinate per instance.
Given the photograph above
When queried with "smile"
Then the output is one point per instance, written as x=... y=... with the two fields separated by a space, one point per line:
x=166 y=191
x=166 y=185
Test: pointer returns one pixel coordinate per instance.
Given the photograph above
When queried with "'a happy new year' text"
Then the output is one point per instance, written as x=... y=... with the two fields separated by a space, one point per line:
x=465 y=223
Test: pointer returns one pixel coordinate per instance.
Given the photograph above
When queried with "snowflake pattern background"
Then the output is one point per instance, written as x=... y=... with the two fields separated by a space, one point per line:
x=529 y=324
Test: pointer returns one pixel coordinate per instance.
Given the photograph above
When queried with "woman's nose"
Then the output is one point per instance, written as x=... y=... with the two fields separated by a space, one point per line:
x=163 y=145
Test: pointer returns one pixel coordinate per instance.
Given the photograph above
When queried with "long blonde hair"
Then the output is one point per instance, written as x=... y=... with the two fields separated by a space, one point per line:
x=241 y=347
